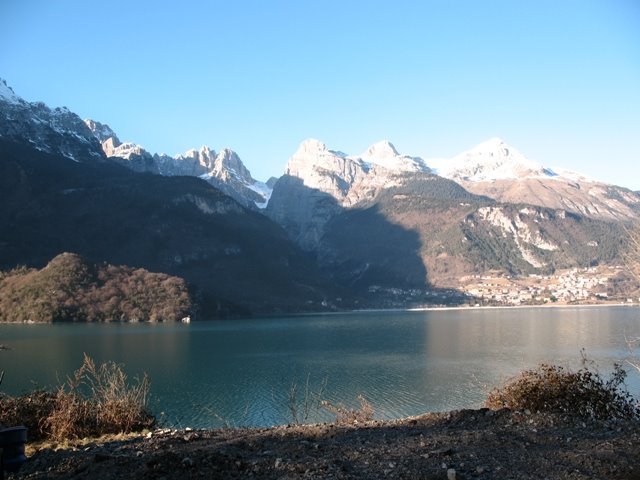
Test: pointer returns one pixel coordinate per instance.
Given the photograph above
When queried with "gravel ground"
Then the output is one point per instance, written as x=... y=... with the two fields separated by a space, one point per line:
x=466 y=444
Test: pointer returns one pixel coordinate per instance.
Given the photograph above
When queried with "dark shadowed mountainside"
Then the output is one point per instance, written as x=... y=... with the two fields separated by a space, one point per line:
x=239 y=262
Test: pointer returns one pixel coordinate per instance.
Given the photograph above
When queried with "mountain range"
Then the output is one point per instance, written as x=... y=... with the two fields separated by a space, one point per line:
x=376 y=229
x=223 y=170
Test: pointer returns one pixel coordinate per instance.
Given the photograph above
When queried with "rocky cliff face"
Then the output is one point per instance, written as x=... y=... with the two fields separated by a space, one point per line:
x=319 y=183
x=57 y=131
x=381 y=220
x=325 y=170
x=224 y=169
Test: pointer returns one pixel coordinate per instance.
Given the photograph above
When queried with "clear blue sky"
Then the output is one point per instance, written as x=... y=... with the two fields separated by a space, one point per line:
x=559 y=80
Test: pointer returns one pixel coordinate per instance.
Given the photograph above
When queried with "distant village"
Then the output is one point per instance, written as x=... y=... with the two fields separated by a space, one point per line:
x=600 y=284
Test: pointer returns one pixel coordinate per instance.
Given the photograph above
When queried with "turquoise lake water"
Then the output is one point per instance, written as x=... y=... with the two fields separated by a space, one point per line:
x=241 y=372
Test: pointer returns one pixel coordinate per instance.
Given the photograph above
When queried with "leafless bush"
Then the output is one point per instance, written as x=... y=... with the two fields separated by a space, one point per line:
x=551 y=388
x=94 y=401
x=311 y=402
x=633 y=359
x=98 y=400
x=350 y=416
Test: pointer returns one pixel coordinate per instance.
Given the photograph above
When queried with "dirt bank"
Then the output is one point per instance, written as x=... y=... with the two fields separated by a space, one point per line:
x=465 y=444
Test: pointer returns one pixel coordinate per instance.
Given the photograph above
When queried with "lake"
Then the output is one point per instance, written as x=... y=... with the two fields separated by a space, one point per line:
x=241 y=372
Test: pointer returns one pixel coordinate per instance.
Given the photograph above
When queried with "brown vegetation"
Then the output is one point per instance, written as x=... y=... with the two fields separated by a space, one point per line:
x=551 y=388
x=350 y=416
x=70 y=289
x=96 y=400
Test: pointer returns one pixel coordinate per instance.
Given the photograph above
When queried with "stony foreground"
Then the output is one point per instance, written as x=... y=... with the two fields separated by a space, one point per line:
x=466 y=444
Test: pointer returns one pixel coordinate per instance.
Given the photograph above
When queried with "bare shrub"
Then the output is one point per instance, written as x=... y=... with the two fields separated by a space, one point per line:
x=72 y=417
x=98 y=400
x=551 y=388
x=350 y=416
x=310 y=402
x=28 y=410
x=633 y=359
x=121 y=405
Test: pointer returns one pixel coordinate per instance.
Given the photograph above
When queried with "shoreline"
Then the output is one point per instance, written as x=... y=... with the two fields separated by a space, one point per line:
x=460 y=444
x=438 y=308
x=459 y=307
x=544 y=305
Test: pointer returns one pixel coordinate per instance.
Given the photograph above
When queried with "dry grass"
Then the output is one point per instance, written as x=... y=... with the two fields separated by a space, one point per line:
x=29 y=410
x=551 y=388
x=95 y=401
x=350 y=416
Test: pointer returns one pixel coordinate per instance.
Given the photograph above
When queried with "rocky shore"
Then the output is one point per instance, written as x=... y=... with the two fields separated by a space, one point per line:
x=466 y=444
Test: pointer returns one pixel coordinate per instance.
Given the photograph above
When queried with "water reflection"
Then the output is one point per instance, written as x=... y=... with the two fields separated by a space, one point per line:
x=241 y=372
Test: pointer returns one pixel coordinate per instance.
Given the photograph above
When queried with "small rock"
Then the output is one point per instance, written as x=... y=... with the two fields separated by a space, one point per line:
x=451 y=474
x=277 y=463
x=139 y=453
x=149 y=435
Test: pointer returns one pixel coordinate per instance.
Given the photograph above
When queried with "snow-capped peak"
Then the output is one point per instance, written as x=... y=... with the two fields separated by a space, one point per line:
x=491 y=160
x=383 y=149
x=324 y=169
x=311 y=146
x=495 y=147
x=7 y=94
x=385 y=155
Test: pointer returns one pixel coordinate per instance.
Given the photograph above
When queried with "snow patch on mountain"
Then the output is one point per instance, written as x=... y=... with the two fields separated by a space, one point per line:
x=264 y=191
x=570 y=175
x=490 y=160
x=57 y=130
x=7 y=94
